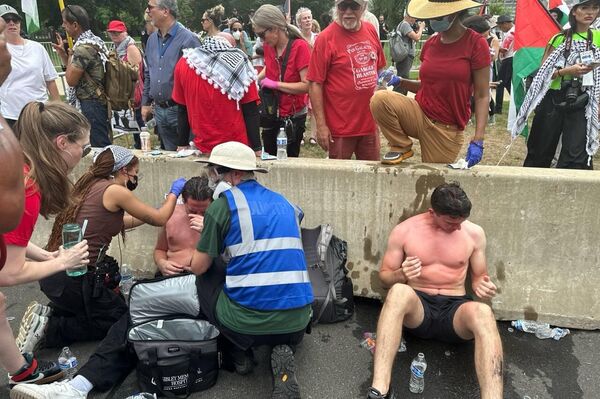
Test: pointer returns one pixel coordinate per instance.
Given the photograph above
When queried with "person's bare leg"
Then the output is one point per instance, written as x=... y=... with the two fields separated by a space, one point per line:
x=10 y=357
x=476 y=320
x=402 y=307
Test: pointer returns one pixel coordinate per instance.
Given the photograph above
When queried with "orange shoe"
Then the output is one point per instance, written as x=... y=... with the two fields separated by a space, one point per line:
x=394 y=157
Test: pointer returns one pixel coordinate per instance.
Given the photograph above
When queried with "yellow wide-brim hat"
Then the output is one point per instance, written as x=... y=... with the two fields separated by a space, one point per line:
x=429 y=9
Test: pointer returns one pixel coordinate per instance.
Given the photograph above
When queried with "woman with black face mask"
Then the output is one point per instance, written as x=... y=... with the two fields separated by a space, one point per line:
x=85 y=307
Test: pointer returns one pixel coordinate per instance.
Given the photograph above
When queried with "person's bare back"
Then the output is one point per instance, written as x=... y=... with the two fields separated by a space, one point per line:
x=438 y=248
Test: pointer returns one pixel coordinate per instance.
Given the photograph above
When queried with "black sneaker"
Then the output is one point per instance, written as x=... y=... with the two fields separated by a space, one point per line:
x=285 y=384
x=36 y=372
x=375 y=394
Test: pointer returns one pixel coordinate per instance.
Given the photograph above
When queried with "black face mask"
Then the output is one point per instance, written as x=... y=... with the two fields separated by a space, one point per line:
x=132 y=185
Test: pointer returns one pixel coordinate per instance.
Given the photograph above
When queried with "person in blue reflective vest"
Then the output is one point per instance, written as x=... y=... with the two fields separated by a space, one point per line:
x=254 y=281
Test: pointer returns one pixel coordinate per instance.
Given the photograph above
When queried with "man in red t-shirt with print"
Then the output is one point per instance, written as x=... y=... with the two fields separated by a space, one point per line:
x=343 y=71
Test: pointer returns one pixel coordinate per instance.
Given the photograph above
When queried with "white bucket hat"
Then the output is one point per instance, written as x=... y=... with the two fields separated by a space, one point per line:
x=233 y=155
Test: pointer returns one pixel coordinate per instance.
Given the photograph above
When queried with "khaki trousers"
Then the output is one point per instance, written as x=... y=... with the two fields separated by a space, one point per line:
x=401 y=118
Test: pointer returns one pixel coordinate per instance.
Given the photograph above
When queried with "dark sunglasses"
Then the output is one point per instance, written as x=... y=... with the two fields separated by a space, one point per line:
x=11 y=18
x=262 y=34
x=351 y=5
x=86 y=150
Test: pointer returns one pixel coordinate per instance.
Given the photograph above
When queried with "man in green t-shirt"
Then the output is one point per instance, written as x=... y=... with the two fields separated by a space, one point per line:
x=262 y=295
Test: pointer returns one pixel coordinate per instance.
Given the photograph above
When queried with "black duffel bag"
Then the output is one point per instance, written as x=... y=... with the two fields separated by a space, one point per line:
x=176 y=357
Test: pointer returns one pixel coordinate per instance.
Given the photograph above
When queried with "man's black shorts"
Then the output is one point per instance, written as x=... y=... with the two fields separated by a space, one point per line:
x=439 y=314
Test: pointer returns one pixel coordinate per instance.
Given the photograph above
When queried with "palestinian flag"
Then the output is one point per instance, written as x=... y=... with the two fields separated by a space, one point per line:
x=30 y=9
x=534 y=27
x=559 y=4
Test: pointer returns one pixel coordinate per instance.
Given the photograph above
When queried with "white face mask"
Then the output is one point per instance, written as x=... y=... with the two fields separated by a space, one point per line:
x=236 y=35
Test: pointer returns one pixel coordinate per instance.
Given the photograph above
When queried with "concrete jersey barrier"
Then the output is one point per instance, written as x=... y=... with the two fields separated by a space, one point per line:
x=542 y=225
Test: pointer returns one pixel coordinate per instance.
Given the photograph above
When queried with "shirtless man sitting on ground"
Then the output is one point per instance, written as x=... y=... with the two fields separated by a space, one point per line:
x=178 y=238
x=425 y=267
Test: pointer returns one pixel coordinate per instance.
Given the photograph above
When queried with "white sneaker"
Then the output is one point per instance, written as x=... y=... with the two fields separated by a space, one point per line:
x=34 y=307
x=56 y=390
x=31 y=332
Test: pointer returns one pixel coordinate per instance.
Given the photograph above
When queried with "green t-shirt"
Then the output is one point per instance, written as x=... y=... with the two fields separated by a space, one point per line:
x=558 y=39
x=231 y=314
x=86 y=57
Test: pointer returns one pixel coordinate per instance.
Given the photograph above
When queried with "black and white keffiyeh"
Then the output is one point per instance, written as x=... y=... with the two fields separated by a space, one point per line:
x=541 y=84
x=226 y=68
x=88 y=37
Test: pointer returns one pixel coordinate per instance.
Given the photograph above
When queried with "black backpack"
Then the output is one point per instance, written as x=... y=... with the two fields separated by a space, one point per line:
x=326 y=257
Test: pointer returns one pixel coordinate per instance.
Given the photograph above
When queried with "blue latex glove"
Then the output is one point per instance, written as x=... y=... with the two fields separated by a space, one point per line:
x=474 y=153
x=177 y=186
x=389 y=77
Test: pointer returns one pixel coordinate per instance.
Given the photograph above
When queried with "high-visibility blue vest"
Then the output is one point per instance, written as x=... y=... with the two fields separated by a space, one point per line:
x=267 y=269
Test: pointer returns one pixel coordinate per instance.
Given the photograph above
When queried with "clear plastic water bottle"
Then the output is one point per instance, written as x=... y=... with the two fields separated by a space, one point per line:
x=554 y=333
x=417 y=374
x=126 y=280
x=145 y=140
x=528 y=326
x=67 y=363
x=281 y=145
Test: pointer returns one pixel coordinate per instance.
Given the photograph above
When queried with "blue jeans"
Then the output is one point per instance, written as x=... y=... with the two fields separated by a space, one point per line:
x=97 y=114
x=166 y=126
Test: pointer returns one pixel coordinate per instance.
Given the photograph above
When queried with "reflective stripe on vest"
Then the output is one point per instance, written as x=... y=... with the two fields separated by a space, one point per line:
x=267 y=270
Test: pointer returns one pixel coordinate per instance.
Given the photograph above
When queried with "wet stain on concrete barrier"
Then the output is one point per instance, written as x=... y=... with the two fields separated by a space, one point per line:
x=500 y=271
x=367 y=254
x=423 y=186
x=376 y=284
x=530 y=313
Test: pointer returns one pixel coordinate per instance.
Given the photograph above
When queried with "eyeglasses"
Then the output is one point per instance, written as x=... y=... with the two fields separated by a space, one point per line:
x=85 y=150
x=204 y=20
x=262 y=34
x=11 y=18
x=351 y=5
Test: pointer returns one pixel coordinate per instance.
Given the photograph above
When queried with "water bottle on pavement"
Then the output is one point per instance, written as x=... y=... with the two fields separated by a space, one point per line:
x=417 y=374
x=528 y=326
x=554 y=333
x=67 y=363
x=126 y=280
x=281 y=145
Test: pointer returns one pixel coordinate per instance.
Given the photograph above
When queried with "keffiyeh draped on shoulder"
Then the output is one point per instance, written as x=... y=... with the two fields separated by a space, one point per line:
x=226 y=68
x=541 y=84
